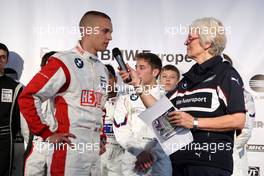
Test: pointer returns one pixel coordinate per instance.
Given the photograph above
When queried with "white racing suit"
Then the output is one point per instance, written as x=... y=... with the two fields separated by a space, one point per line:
x=111 y=160
x=77 y=81
x=135 y=136
x=240 y=153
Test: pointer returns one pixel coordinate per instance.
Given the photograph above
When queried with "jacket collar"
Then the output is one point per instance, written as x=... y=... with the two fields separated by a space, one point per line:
x=209 y=64
x=199 y=72
x=78 y=49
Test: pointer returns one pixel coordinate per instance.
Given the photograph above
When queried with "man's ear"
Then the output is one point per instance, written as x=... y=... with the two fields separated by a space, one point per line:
x=155 y=72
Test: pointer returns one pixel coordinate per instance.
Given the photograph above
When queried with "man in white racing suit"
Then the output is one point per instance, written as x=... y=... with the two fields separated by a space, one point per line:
x=143 y=154
x=77 y=81
x=242 y=137
x=112 y=158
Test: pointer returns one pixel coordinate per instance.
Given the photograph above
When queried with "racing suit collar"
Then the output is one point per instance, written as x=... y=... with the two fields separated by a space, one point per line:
x=201 y=72
x=78 y=49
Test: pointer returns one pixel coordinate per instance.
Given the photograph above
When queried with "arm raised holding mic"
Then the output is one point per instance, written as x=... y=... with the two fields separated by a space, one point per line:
x=147 y=99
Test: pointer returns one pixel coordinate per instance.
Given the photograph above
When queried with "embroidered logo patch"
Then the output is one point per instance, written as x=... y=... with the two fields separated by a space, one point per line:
x=184 y=85
x=78 y=62
x=133 y=97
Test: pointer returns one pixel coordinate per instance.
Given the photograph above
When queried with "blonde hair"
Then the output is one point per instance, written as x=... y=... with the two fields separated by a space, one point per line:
x=210 y=30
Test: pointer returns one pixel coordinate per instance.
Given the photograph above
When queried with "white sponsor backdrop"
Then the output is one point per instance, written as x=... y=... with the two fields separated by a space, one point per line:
x=30 y=28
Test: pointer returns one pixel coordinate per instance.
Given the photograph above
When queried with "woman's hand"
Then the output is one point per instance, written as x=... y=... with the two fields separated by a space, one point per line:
x=181 y=119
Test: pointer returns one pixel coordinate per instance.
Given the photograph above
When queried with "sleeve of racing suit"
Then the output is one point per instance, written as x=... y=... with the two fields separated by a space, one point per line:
x=122 y=127
x=53 y=78
x=242 y=139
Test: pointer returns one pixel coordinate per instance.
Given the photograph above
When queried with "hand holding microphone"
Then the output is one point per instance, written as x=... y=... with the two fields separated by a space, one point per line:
x=127 y=74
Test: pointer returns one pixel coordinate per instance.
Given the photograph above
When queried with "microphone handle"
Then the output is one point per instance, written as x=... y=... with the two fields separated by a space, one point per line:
x=123 y=67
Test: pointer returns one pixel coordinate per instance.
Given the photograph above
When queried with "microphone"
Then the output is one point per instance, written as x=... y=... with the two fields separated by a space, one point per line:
x=118 y=57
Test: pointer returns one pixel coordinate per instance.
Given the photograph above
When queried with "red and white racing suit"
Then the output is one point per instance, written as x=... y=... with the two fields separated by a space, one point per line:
x=135 y=136
x=37 y=150
x=77 y=81
x=111 y=160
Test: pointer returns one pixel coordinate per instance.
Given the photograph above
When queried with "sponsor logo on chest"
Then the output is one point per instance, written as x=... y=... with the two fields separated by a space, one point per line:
x=6 y=95
x=91 y=98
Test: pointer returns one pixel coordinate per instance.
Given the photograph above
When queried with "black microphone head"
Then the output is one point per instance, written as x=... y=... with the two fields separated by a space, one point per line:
x=116 y=52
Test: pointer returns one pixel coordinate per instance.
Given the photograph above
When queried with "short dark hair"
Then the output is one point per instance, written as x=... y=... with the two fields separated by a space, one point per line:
x=111 y=70
x=93 y=13
x=45 y=58
x=4 y=47
x=172 y=68
x=153 y=60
